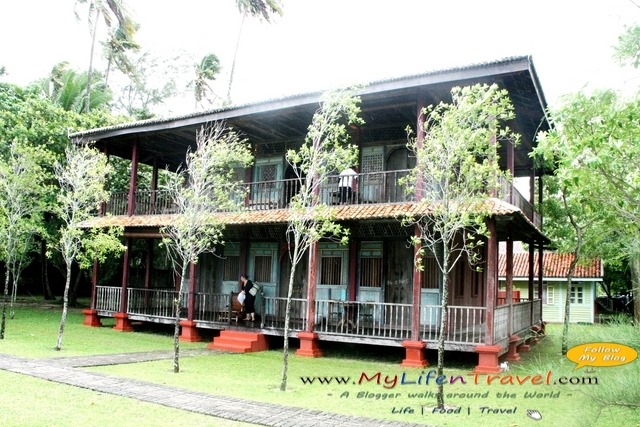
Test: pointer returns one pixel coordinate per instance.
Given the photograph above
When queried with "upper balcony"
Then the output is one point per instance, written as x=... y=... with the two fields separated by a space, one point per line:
x=368 y=188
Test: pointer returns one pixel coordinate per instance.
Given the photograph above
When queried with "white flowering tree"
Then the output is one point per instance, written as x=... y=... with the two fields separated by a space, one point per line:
x=325 y=151
x=201 y=188
x=457 y=171
x=82 y=189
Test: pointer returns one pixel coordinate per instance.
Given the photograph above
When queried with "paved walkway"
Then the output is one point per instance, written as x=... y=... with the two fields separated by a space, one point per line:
x=66 y=371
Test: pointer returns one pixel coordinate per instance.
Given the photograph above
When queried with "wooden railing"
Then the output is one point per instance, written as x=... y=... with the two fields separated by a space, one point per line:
x=521 y=315
x=464 y=324
x=357 y=318
x=273 y=313
x=537 y=311
x=375 y=187
x=387 y=321
x=108 y=299
x=510 y=194
x=152 y=302
x=501 y=323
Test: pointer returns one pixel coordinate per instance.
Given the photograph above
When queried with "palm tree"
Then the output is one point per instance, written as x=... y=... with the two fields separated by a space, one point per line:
x=206 y=72
x=67 y=88
x=120 y=36
x=262 y=9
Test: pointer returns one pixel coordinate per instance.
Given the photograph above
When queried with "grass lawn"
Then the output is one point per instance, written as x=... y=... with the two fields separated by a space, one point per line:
x=257 y=376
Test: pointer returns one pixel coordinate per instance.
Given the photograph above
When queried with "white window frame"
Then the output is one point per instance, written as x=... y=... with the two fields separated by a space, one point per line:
x=551 y=295
x=577 y=294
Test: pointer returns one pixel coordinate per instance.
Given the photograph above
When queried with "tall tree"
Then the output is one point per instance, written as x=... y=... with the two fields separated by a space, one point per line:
x=205 y=72
x=67 y=88
x=22 y=184
x=262 y=9
x=82 y=189
x=203 y=187
x=457 y=172
x=154 y=83
x=570 y=224
x=325 y=151
x=594 y=143
x=120 y=38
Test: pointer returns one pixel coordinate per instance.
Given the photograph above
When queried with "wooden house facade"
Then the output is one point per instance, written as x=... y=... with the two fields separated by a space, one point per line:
x=365 y=292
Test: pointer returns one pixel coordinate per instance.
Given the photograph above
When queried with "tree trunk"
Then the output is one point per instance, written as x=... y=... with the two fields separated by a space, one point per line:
x=443 y=323
x=87 y=101
x=287 y=318
x=65 y=304
x=634 y=266
x=567 y=310
x=46 y=289
x=176 y=329
x=73 y=293
x=14 y=289
x=4 y=303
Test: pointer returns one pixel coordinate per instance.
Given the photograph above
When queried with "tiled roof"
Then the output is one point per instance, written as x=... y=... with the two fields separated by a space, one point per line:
x=280 y=216
x=556 y=265
x=452 y=70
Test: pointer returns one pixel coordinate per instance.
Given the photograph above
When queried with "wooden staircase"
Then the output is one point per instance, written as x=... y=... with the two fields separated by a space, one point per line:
x=239 y=342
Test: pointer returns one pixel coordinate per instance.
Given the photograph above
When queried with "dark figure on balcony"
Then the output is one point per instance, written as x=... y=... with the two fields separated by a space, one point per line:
x=346 y=185
x=250 y=291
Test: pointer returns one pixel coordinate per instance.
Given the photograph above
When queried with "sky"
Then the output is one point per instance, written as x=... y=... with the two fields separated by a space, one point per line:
x=321 y=44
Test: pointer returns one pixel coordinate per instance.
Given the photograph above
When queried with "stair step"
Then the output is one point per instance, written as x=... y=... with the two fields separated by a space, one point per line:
x=239 y=342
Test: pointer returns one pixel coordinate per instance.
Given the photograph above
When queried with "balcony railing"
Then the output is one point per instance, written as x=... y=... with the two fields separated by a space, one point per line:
x=510 y=194
x=375 y=187
x=367 y=188
x=358 y=319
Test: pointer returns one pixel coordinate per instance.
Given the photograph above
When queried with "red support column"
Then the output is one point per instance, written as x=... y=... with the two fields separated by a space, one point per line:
x=91 y=315
x=488 y=354
x=309 y=346
x=133 y=180
x=509 y=290
x=414 y=354
x=531 y=280
x=122 y=321
x=414 y=348
x=189 y=332
x=353 y=268
x=492 y=271
x=488 y=362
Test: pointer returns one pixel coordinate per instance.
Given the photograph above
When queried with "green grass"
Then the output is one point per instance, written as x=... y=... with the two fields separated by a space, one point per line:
x=257 y=376
x=33 y=402
x=33 y=332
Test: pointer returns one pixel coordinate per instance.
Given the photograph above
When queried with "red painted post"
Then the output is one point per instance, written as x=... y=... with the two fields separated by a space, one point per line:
x=133 y=180
x=492 y=267
x=509 y=279
x=312 y=277
x=416 y=292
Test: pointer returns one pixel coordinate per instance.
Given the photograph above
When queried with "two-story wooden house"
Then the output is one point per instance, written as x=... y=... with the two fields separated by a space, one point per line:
x=365 y=292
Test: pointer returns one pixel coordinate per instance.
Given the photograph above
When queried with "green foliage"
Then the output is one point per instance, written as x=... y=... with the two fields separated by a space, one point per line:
x=457 y=172
x=263 y=9
x=22 y=186
x=67 y=89
x=205 y=186
x=593 y=144
x=457 y=168
x=82 y=189
x=326 y=150
x=205 y=72
x=627 y=51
